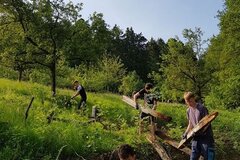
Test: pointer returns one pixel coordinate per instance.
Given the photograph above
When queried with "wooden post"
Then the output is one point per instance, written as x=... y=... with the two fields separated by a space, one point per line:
x=28 y=108
x=161 y=151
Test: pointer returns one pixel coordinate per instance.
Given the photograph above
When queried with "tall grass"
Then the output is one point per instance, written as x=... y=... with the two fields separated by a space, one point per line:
x=38 y=139
x=74 y=137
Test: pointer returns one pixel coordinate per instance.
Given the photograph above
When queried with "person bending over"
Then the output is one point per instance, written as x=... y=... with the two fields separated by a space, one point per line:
x=80 y=91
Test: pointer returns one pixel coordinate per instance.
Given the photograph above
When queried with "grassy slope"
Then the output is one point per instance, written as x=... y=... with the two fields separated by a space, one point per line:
x=36 y=139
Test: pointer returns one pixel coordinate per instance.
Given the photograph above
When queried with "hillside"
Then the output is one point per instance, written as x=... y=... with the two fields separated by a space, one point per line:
x=71 y=135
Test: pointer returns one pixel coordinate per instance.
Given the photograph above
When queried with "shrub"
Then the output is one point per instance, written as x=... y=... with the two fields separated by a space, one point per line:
x=226 y=95
x=131 y=82
x=106 y=75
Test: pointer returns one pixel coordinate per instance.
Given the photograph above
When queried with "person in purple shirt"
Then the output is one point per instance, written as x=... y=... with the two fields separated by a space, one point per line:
x=203 y=142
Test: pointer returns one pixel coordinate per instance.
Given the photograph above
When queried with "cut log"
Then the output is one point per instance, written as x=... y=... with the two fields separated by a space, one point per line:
x=147 y=110
x=160 y=149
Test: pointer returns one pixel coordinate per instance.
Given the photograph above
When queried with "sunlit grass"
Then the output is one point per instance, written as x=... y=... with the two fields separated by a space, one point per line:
x=36 y=139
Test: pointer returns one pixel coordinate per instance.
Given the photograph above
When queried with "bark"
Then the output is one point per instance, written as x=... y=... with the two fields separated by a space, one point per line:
x=20 y=73
x=53 y=77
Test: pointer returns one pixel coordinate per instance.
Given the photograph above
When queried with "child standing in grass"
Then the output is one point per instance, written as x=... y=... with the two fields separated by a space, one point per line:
x=202 y=143
x=80 y=91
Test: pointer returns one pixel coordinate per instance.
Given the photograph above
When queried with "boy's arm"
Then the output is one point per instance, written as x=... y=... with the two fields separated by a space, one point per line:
x=76 y=94
x=189 y=127
x=135 y=97
x=154 y=105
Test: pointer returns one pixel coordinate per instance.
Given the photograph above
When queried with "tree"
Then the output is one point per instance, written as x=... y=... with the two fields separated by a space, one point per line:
x=194 y=40
x=105 y=75
x=155 y=49
x=184 y=67
x=131 y=48
x=44 y=25
x=79 y=48
x=14 y=57
x=100 y=33
x=223 y=55
x=130 y=83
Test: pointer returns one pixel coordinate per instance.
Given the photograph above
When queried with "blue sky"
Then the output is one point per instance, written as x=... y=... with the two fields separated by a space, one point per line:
x=158 y=18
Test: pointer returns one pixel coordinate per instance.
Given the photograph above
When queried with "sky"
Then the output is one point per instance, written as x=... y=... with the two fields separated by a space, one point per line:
x=158 y=18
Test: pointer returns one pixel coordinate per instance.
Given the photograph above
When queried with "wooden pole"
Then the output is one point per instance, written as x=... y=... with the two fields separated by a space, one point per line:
x=28 y=108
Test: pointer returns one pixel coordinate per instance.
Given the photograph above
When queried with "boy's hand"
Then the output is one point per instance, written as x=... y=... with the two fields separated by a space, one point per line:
x=184 y=136
x=154 y=107
x=137 y=106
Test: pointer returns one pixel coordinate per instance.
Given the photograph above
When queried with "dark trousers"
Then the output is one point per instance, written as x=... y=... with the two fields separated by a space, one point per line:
x=201 y=148
x=82 y=104
x=150 y=117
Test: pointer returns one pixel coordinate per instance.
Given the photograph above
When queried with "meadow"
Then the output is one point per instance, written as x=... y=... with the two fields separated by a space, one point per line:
x=72 y=136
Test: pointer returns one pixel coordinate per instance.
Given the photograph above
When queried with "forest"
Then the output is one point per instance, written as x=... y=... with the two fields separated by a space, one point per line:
x=46 y=44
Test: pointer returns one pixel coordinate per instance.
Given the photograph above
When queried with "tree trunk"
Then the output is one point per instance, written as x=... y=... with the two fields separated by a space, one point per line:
x=199 y=93
x=20 y=73
x=53 y=77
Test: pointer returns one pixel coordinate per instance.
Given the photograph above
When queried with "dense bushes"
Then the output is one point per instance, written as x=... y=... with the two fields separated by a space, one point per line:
x=9 y=73
x=227 y=95
x=106 y=75
x=130 y=83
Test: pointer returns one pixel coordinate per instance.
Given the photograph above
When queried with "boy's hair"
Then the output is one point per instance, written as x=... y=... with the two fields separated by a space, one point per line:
x=188 y=95
x=74 y=82
x=125 y=151
x=148 y=85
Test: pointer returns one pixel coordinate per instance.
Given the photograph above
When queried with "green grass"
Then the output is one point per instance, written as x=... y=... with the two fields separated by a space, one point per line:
x=36 y=139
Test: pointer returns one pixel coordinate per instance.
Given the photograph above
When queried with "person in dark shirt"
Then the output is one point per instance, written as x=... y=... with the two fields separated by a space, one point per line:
x=80 y=91
x=203 y=142
x=150 y=101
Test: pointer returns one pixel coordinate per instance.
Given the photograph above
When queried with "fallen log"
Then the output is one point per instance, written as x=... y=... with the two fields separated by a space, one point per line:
x=172 y=142
x=159 y=148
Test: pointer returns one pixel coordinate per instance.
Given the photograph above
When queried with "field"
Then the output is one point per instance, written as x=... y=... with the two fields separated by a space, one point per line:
x=71 y=136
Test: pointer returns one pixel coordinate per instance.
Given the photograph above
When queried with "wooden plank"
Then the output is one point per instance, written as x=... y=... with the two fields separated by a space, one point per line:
x=172 y=142
x=147 y=110
x=161 y=151
x=203 y=123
